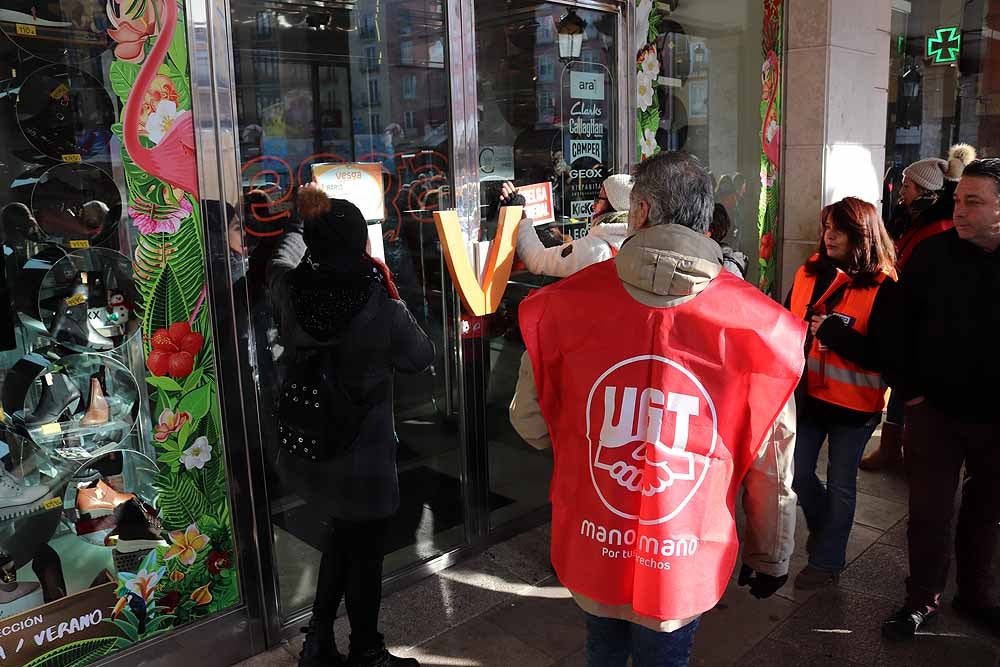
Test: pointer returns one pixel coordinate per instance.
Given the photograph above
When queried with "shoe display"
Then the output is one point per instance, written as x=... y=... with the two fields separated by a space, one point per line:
x=813 y=578
x=95 y=530
x=100 y=500
x=19 y=597
x=53 y=24
x=906 y=621
x=98 y=412
x=59 y=397
x=56 y=104
x=987 y=617
x=139 y=529
x=16 y=499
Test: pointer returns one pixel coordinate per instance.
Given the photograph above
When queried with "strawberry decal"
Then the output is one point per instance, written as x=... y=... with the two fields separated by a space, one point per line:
x=174 y=350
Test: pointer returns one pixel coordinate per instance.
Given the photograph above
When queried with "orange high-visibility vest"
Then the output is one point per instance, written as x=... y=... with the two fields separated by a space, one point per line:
x=829 y=376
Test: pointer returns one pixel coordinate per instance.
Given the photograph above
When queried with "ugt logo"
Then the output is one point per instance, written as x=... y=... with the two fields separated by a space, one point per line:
x=651 y=429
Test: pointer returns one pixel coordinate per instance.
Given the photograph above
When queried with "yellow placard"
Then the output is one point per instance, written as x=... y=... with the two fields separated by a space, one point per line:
x=28 y=30
x=75 y=300
x=72 y=157
x=79 y=243
x=52 y=503
x=59 y=91
x=54 y=428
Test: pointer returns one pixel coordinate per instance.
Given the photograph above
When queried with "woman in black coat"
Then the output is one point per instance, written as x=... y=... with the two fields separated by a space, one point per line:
x=329 y=293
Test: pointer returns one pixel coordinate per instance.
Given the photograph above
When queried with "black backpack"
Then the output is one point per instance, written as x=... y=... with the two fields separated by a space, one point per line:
x=319 y=418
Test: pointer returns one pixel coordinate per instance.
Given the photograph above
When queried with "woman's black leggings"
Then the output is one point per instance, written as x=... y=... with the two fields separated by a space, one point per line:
x=351 y=569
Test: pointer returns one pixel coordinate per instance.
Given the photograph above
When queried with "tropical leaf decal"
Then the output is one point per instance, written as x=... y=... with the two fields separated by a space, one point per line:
x=76 y=654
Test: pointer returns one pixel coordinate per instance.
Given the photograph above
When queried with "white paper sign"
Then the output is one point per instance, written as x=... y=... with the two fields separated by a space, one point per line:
x=358 y=182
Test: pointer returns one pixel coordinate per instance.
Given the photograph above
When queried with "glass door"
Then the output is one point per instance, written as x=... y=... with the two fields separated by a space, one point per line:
x=353 y=88
x=547 y=118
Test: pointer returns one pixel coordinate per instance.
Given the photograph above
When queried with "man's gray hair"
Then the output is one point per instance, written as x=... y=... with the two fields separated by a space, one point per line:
x=677 y=189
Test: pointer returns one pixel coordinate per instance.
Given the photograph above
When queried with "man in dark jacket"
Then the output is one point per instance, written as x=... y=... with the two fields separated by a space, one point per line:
x=947 y=374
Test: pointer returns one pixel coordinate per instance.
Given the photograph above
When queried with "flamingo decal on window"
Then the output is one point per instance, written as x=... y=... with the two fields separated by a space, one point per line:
x=172 y=159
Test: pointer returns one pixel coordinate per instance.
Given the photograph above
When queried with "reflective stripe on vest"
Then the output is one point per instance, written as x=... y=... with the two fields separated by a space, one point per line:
x=830 y=377
x=858 y=378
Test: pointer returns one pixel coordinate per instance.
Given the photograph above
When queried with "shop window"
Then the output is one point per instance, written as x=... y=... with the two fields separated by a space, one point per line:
x=702 y=82
x=339 y=105
x=115 y=518
x=943 y=70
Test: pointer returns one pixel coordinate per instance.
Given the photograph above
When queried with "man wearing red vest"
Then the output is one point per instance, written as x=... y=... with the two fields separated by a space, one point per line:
x=662 y=382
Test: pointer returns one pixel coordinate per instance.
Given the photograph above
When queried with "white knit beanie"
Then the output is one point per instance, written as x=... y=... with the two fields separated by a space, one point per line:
x=618 y=188
x=927 y=173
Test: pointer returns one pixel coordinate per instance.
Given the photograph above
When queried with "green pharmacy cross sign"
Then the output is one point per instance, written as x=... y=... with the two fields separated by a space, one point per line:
x=944 y=45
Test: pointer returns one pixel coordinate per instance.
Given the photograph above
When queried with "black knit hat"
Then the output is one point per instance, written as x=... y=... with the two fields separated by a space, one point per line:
x=335 y=231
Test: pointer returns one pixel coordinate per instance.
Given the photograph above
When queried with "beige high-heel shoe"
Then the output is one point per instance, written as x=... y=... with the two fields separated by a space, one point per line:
x=98 y=411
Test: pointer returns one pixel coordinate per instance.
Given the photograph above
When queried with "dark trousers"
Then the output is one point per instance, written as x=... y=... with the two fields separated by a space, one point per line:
x=351 y=569
x=830 y=507
x=611 y=642
x=937 y=445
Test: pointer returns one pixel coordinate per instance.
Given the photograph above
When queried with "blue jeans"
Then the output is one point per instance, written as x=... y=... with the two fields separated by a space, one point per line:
x=829 y=508
x=610 y=643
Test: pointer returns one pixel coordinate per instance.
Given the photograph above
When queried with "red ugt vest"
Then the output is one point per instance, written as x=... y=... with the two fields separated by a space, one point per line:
x=655 y=415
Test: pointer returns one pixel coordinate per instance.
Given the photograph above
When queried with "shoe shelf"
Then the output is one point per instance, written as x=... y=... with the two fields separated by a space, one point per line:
x=72 y=440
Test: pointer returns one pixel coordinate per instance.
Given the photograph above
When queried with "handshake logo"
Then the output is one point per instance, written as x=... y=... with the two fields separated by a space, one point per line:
x=649 y=439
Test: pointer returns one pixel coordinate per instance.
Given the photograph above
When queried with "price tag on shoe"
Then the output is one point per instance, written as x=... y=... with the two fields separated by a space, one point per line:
x=77 y=244
x=54 y=428
x=75 y=300
x=72 y=157
x=28 y=30
x=52 y=503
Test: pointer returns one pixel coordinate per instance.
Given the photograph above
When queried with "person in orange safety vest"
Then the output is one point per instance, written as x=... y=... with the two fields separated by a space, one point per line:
x=844 y=292
x=662 y=382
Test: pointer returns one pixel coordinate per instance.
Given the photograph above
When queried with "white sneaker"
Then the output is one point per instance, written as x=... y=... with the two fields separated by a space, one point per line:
x=24 y=596
x=18 y=500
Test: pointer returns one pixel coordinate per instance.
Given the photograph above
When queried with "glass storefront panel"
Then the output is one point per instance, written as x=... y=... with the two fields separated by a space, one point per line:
x=710 y=103
x=355 y=88
x=546 y=117
x=944 y=84
x=115 y=521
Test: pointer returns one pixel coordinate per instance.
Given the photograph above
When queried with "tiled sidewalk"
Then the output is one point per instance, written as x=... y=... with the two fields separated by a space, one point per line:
x=505 y=608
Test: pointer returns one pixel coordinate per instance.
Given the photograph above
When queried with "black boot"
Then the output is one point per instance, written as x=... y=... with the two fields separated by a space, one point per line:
x=319 y=648
x=59 y=394
x=379 y=657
